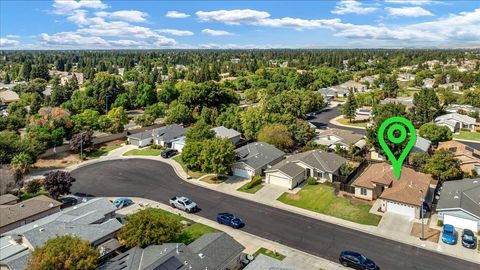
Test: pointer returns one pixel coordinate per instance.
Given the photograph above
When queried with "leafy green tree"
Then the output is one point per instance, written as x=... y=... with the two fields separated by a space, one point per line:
x=118 y=119
x=470 y=97
x=12 y=144
x=350 y=107
x=251 y=95
x=444 y=166
x=80 y=101
x=217 y=155
x=179 y=113
x=149 y=227
x=253 y=119
x=87 y=120
x=191 y=154
x=64 y=252
x=167 y=93
x=277 y=135
x=427 y=106
x=418 y=159
x=156 y=110
x=199 y=132
x=144 y=120
x=81 y=141
x=435 y=133
x=390 y=87
x=21 y=163
x=122 y=100
x=146 y=95
x=446 y=96
x=230 y=118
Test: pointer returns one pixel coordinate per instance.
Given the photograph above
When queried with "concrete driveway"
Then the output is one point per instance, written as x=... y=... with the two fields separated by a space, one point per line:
x=396 y=223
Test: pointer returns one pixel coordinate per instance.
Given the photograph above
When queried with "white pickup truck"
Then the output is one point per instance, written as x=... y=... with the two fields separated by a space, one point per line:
x=184 y=203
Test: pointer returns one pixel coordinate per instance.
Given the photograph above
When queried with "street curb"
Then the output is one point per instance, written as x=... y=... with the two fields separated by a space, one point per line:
x=334 y=122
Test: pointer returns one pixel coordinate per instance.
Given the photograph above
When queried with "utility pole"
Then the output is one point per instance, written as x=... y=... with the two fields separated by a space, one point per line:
x=81 y=146
x=421 y=215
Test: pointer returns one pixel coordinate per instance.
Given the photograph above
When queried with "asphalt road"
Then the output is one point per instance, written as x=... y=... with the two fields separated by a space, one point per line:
x=322 y=121
x=158 y=181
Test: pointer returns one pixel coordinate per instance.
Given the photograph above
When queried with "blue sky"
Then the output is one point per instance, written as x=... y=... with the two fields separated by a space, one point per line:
x=98 y=24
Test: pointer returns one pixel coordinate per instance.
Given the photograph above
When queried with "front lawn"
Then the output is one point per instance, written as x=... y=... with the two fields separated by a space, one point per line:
x=102 y=151
x=193 y=174
x=24 y=195
x=143 y=152
x=269 y=253
x=320 y=198
x=191 y=232
x=355 y=123
x=467 y=135
x=251 y=190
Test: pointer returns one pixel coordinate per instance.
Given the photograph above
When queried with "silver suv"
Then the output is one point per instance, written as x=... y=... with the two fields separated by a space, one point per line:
x=184 y=203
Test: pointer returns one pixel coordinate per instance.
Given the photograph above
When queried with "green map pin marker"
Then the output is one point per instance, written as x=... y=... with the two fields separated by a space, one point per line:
x=397 y=126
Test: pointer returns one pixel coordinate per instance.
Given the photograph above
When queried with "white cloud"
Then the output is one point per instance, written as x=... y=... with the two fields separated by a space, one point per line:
x=125 y=43
x=72 y=39
x=78 y=17
x=176 y=15
x=233 y=17
x=412 y=2
x=12 y=36
x=99 y=27
x=124 y=15
x=216 y=33
x=297 y=23
x=175 y=32
x=67 y=6
x=352 y=6
x=408 y=11
x=5 y=42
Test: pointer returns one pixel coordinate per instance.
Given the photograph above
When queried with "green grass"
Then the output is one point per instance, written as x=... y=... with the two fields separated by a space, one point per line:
x=143 y=152
x=467 y=135
x=25 y=195
x=269 y=253
x=193 y=174
x=102 y=151
x=320 y=198
x=344 y=121
x=251 y=190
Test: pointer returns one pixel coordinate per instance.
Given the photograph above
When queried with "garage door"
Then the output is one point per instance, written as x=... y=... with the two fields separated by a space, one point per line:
x=461 y=222
x=178 y=146
x=278 y=180
x=401 y=209
x=242 y=173
x=134 y=142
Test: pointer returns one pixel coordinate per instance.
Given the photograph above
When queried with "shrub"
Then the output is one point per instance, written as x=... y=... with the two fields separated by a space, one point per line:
x=440 y=223
x=311 y=181
x=33 y=186
x=256 y=180
x=156 y=146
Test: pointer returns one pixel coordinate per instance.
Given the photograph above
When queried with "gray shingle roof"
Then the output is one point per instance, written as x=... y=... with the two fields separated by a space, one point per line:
x=421 y=144
x=461 y=194
x=258 y=154
x=456 y=117
x=169 y=132
x=211 y=251
x=324 y=161
x=224 y=132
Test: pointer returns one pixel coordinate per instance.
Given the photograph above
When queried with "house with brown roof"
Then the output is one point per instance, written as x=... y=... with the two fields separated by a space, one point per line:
x=468 y=156
x=18 y=214
x=403 y=196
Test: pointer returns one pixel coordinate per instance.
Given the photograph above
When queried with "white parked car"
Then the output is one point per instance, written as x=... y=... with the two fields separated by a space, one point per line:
x=184 y=203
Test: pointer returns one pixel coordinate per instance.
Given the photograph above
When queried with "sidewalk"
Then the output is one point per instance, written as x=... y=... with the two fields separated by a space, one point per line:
x=251 y=242
x=268 y=195
x=335 y=122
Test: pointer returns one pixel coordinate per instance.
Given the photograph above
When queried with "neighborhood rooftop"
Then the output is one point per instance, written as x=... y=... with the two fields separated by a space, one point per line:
x=258 y=154
x=224 y=132
x=461 y=194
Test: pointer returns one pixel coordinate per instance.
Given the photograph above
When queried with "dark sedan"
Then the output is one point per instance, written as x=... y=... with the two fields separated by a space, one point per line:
x=168 y=153
x=356 y=260
x=230 y=220
x=68 y=201
x=468 y=239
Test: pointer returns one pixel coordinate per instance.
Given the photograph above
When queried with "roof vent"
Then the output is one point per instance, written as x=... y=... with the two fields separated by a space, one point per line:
x=41 y=229
x=50 y=205
x=456 y=197
x=475 y=181
x=22 y=205
x=201 y=255
x=35 y=225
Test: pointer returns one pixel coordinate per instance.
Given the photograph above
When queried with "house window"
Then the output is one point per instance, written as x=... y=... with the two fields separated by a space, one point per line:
x=363 y=191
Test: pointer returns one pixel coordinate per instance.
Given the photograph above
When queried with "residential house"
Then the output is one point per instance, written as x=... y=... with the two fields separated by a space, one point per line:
x=211 y=251
x=409 y=68
x=432 y=64
x=407 y=101
x=455 y=86
x=295 y=169
x=461 y=109
x=459 y=204
x=228 y=133
x=344 y=138
x=364 y=112
x=8 y=96
x=405 y=77
x=468 y=156
x=14 y=215
x=421 y=145
x=254 y=158
x=456 y=121
x=92 y=221
x=370 y=79
x=403 y=196
x=355 y=86
x=428 y=83
x=8 y=199
x=264 y=262
x=162 y=136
